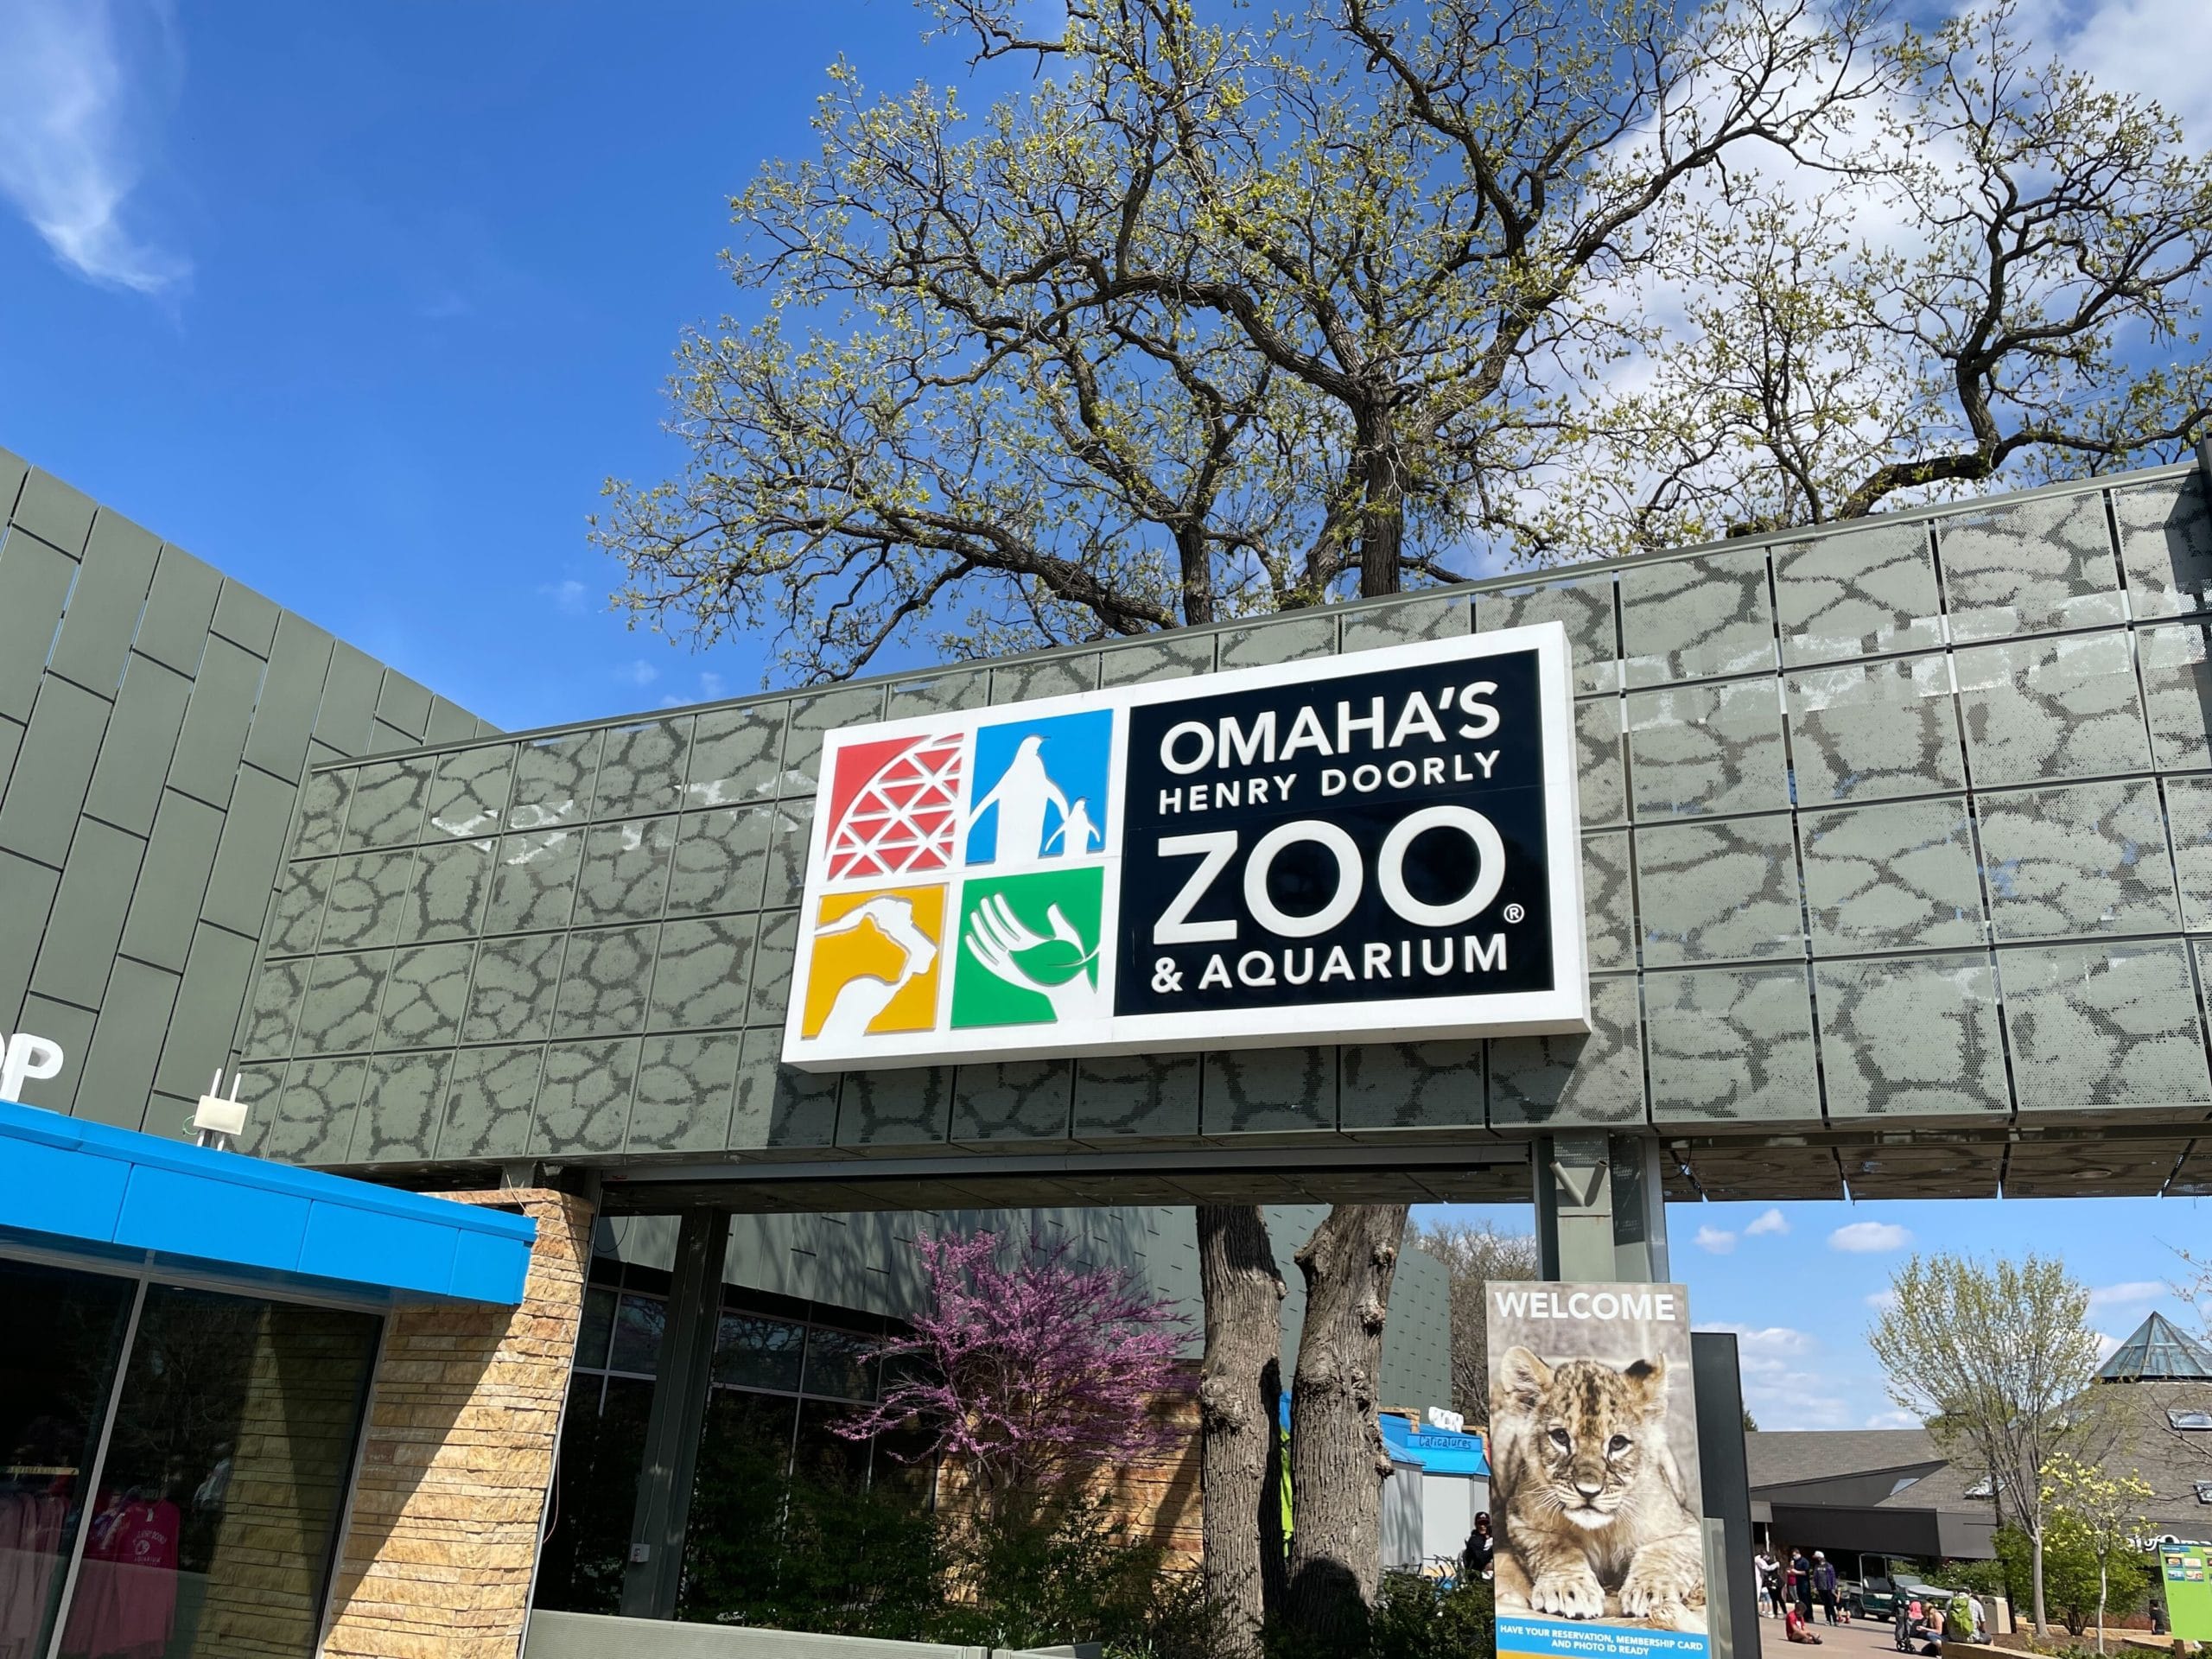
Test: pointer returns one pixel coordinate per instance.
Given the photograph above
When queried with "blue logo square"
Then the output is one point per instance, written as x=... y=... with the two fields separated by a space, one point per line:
x=1037 y=793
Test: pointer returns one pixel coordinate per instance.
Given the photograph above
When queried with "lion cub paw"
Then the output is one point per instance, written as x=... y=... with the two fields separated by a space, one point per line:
x=1648 y=1592
x=1569 y=1592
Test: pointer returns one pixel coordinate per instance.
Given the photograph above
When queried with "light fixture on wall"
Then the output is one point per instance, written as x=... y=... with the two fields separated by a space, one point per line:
x=219 y=1121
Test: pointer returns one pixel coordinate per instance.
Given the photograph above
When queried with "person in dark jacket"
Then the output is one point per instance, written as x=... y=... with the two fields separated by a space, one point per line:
x=1481 y=1547
x=1801 y=1584
x=1824 y=1583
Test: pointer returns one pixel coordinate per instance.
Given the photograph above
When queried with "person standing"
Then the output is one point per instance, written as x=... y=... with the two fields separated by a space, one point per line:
x=1801 y=1584
x=1770 y=1581
x=1824 y=1585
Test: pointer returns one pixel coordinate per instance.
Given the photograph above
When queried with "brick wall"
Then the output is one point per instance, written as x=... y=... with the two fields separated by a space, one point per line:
x=463 y=1429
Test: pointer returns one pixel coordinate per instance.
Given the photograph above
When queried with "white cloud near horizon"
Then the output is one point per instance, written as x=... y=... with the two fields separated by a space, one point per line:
x=1779 y=1388
x=1882 y=1301
x=72 y=148
x=1892 y=1420
x=2134 y=1292
x=1869 y=1237
x=1767 y=1221
x=1715 y=1241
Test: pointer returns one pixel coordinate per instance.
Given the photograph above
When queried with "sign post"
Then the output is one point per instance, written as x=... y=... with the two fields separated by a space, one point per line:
x=1596 y=1492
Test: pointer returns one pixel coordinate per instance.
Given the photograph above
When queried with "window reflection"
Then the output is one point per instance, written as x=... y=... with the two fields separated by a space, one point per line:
x=754 y=1351
x=639 y=1325
x=837 y=1365
x=227 y=1468
x=597 y=1329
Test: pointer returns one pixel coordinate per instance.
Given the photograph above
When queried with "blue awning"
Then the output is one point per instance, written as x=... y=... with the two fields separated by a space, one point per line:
x=66 y=1183
x=1437 y=1452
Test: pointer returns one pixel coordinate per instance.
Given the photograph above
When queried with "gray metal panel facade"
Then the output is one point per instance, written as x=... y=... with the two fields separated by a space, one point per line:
x=1897 y=848
x=153 y=727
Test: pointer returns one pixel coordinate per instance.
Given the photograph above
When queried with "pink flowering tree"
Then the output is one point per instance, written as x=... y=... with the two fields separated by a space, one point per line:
x=1034 y=1376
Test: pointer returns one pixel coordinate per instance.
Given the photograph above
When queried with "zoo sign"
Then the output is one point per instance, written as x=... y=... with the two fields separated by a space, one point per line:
x=1382 y=846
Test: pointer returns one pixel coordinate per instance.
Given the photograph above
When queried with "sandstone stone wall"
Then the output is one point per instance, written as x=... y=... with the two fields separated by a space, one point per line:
x=464 y=1425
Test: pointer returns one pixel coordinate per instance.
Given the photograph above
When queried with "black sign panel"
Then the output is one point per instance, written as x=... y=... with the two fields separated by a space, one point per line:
x=1369 y=838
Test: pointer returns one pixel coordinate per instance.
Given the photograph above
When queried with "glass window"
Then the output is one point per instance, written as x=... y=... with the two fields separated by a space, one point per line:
x=638 y=1324
x=731 y=1538
x=212 y=1531
x=2204 y=1491
x=2181 y=1419
x=57 y=1366
x=598 y=1326
x=838 y=1364
x=754 y=1351
x=821 y=1454
x=594 y=1495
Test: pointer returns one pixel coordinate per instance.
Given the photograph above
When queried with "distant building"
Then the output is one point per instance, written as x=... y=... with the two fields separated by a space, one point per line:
x=1894 y=1492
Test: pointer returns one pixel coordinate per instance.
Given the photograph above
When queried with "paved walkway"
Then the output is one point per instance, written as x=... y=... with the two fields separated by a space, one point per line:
x=1861 y=1639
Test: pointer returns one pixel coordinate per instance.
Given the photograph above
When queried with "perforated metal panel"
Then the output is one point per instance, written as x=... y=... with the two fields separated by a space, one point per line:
x=1896 y=836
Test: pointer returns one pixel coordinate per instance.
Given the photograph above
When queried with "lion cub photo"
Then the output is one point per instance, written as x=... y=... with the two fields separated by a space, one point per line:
x=1598 y=1517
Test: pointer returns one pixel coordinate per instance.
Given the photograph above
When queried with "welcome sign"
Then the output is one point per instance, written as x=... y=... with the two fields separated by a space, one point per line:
x=1382 y=846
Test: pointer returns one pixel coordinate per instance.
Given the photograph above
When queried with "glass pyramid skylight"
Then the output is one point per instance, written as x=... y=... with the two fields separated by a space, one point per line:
x=2158 y=1353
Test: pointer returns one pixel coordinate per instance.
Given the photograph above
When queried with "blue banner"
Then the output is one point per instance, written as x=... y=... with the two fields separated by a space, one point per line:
x=1572 y=1638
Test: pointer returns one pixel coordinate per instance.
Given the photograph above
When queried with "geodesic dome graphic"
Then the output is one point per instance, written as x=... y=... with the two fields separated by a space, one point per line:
x=894 y=807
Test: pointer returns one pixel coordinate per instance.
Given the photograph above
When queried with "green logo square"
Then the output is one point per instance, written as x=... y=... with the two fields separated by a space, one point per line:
x=1027 y=948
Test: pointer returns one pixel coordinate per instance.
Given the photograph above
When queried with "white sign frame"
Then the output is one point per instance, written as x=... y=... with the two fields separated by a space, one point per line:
x=1565 y=1008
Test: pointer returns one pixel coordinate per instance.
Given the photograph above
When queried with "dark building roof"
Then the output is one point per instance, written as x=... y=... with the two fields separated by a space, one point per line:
x=2158 y=1353
x=1790 y=1457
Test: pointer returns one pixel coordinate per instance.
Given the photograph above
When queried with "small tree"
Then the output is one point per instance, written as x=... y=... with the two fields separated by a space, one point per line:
x=1995 y=1357
x=1036 y=1376
x=1474 y=1256
x=2108 y=1511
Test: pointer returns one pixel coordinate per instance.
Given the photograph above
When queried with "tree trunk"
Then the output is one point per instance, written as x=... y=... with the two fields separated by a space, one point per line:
x=1196 y=572
x=1240 y=1394
x=2104 y=1595
x=1382 y=520
x=1337 y=1461
x=2035 y=1539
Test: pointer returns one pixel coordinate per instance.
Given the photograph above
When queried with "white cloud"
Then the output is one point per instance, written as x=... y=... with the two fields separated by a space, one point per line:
x=2108 y=1345
x=1769 y=1341
x=638 y=672
x=711 y=686
x=1779 y=1386
x=1869 y=1237
x=1893 y=1420
x=1882 y=1301
x=2155 y=47
x=1767 y=1221
x=72 y=144
x=567 y=596
x=2135 y=1291
x=1715 y=1241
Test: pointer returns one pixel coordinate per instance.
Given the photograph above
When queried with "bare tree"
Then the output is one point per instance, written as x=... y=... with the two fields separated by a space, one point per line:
x=1474 y=1256
x=1997 y=1357
x=2031 y=313
x=1213 y=312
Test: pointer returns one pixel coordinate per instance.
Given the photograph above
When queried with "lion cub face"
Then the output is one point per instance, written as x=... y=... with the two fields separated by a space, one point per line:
x=1588 y=1429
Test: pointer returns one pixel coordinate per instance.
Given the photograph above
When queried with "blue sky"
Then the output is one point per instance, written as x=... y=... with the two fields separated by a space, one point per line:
x=1799 y=1283
x=363 y=303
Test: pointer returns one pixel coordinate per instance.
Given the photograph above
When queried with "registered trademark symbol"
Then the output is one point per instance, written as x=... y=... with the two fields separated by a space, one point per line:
x=1514 y=913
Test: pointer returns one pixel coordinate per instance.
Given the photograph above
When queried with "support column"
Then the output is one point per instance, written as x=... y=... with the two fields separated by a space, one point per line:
x=655 y=1573
x=1600 y=1208
x=464 y=1425
x=1731 y=1598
